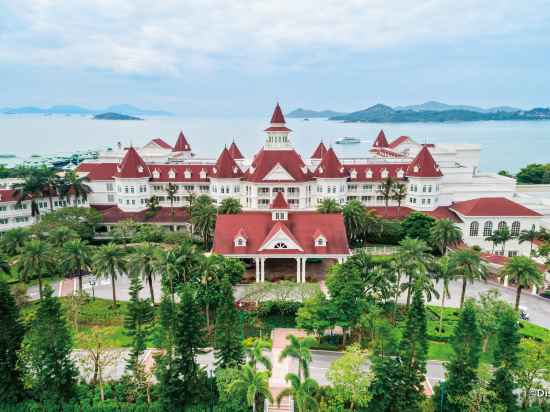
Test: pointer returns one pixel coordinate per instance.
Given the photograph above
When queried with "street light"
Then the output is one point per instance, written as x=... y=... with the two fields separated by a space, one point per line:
x=92 y=282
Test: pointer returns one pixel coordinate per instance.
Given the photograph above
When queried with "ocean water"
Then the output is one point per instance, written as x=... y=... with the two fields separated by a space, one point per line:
x=505 y=145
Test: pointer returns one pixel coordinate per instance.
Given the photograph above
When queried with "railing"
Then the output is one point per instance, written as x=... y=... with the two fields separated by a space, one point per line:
x=379 y=250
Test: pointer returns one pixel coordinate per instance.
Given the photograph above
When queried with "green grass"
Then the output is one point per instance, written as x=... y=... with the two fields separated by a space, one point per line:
x=530 y=330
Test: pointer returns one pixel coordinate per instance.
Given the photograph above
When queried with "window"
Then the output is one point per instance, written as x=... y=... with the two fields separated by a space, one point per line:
x=125 y=189
x=367 y=188
x=515 y=228
x=280 y=245
x=474 y=229
x=21 y=219
x=110 y=198
x=320 y=241
x=488 y=229
x=512 y=253
x=501 y=225
x=352 y=188
x=3 y=221
x=109 y=187
x=3 y=208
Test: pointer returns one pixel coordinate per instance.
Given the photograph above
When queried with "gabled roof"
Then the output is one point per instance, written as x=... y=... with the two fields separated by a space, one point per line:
x=132 y=166
x=319 y=152
x=380 y=140
x=163 y=215
x=279 y=202
x=492 y=206
x=424 y=165
x=235 y=152
x=281 y=227
x=160 y=142
x=181 y=144
x=241 y=233
x=8 y=195
x=266 y=160
x=330 y=166
x=398 y=141
x=98 y=171
x=394 y=170
x=318 y=233
x=278 y=116
x=226 y=166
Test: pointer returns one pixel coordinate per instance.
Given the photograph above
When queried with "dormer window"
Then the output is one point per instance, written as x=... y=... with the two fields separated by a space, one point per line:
x=251 y=169
x=320 y=169
x=279 y=215
x=353 y=174
x=415 y=169
x=140 y=169
x=172 y=174
x=384 y=174
x=240 y=241
x=320 y=241
x=235 y=169
x=215 y=170
x=304 y=169
x=400 y=173
x=368 y=174
x=187 y=174
x=202 y=174
x=156 y=174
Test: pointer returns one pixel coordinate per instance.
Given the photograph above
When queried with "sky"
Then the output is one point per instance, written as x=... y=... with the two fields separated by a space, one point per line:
x=235 y=58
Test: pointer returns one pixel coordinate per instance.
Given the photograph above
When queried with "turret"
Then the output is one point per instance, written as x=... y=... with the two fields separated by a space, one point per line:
x=424 y=178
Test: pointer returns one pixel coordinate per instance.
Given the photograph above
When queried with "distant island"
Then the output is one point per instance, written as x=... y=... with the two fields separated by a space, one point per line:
x=125 y=109
x=115 y=116
x=305 y=114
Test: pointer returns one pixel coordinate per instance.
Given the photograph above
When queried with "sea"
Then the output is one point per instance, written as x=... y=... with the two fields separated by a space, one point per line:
x=505 y=145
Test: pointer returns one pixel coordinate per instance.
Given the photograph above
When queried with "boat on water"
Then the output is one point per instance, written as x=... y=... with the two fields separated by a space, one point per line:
x=348 y=140
x=7 y=156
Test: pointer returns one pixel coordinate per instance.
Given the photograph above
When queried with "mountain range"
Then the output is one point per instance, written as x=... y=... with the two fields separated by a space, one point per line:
x=125 y=109
x=304 y=113
x=433 y=106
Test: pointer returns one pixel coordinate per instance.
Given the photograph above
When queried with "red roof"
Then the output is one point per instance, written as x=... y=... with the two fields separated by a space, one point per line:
x=443 y=212
x=181 y=144
x=319 y=152
x=132 y=166
x=278 y=116
x=384 y=152
x=235 y=152
x=501 y=260
x=8 y=195
x=161 y=143
x=380 y=140
x=98 y=171
x=398 y=141
x=330 y=166
x=241 y=233
x=281 y=227
x=301 y=225
x=279 y=202
x=376 y=170
x=424 y=165
x=182 y=173
x=492 y=206
x=277 y=129
x=163 y=215
x=266 y=160
x=226 y=166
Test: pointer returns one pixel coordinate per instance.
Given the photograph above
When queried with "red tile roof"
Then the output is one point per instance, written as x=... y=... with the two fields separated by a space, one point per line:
x=180 y=172
x=235 y=152
x=501 y=260
x=398 y=141
x=226 y=166
x=8 y=195
x=330 y=166
x=266 y=160
x=380 y=140
x=163 y=215
x=132 y=166
x=302 y=226
x=281 y=227
x=98 y=171
x=241 y=233
x=376 y=170
x=161 y=143
x=319 y=151
x=277 y=129
x=278 y=116
x=492 y=206
x=443 y=212
x=391 y=212
x=279 y=202
x=181 y=144
x=424 y=165
x=384 y=152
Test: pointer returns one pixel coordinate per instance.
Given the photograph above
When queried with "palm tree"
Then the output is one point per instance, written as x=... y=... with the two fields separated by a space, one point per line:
x=30 y=189
x=230 y=206
x=254 y=383
x=355 y=221
x=35 y=259
x=399 y=264
x=494 y=238
x=445 y=233
x=445 y=273
x=523 y=271
x=77 y=258
x=51 y=184
x=329 y=205
x=299 y=349
x=385 y=190
x=529 y=236
x=204 y=217
x=414 y=254
x=302 y=392
x=255 y=354
x=61 y=235
x=171 y=191
x=143 y=263
x=398 y=193
x=166 y=263
x=5 y=266
x=504 y=236
x=469 y=266
x=110 y=261
x=13 y=239
x=75 y=184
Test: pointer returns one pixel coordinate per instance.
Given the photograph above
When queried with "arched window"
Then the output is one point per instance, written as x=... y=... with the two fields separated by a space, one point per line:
x=280 y=245
x=488 y=229
x=501 y=225
x=474 y=229
x=515 y=228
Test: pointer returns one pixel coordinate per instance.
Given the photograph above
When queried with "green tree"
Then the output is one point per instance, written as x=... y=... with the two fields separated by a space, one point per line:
x=316 y=314
x=529 y=235
x=52 y=184
x=531 y=174
x=30 y=190
x=299 y=349
x=11 y=338
x=137 y=322
x=255 y=384
x=47 y=353
x=462 y=369
x=524 y=272
x=506 y=359
x=355 y=221
x=230 y=206
x=13 y=240
x=35 y=260
x=125 y=230
x=110 y=261
x=469 y=266
x=204 y=218
x=171 y=190
x=60 y=235
x=445 y=273
x=398 y=194
x=82 y=220
x=77 y=258
x=414 y=254
x=534 y=358
x=329 y=205
x=489 y=309
x=73 y=184
x=143 y=262
x=417 y=225
x=303 y=393
x=228 y=335
x=445 y=233
x=256 y=353
x=385 y=190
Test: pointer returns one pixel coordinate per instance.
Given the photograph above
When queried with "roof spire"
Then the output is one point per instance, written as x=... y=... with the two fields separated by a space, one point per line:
x=181 y=144
x=278 y=117
x=424 y=165
x=380 y=140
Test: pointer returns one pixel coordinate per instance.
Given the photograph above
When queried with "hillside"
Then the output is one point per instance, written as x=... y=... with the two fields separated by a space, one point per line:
x=433 y=106
x=115 y=116
x=304 y=113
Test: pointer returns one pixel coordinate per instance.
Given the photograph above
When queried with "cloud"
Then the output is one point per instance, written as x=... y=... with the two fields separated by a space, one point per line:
x=171 y=37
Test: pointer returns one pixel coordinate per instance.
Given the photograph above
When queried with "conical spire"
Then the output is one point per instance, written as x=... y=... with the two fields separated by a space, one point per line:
x=278 y=116
x=330 y=166
x=279 y=202
x=226 y=166
x=380 y=140
x=235 y=152
x=132 y=166
x=319 y=152
x=424 y=165
x=181 y=144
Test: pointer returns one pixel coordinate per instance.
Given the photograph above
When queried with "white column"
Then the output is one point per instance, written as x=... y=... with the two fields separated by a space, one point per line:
x=262 y=273
x=505 y=280
x=257 y=260
x=340 y=260
x=304 y=270
x=534 y=290
x=298 y=273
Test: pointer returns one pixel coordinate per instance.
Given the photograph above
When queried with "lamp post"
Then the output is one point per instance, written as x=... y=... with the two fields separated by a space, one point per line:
x=92 y=282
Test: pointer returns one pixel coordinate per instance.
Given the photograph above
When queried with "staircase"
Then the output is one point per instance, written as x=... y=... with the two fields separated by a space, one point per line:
x=287 y=405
